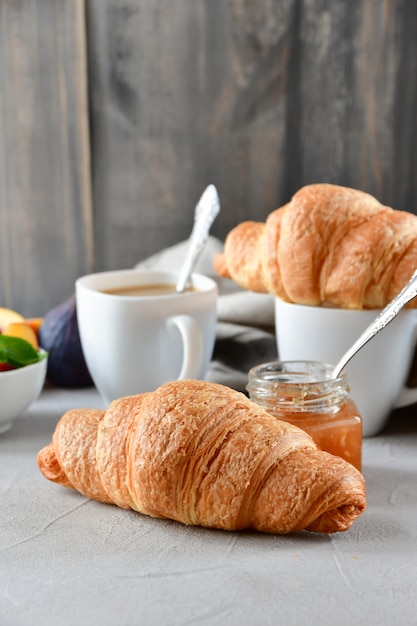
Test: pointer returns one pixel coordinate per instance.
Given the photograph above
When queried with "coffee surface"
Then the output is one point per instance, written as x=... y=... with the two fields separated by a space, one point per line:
x=145 y=290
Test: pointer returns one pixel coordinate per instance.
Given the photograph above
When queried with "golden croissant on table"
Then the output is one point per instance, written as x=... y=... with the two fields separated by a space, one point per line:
x=329 y=245
x=204 y=454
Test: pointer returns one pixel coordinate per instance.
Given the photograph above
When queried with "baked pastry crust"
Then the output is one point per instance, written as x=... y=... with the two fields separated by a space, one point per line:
x=204 y=454
x=330 y=245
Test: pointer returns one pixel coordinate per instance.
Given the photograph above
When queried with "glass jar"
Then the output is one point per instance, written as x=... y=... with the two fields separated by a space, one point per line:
x=305 y=394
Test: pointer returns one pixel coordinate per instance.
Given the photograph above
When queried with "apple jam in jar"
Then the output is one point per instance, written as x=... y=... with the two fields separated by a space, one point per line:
x=305 y=394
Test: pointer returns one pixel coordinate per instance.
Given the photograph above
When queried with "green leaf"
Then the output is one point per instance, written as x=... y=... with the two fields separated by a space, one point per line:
x=17 y=352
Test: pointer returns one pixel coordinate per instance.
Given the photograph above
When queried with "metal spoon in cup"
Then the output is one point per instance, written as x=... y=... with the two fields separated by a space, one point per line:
x=387 y=315
x=205 y=213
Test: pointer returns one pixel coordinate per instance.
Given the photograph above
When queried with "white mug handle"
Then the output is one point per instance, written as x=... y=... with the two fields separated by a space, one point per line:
x=192 y=341
x=408 y=395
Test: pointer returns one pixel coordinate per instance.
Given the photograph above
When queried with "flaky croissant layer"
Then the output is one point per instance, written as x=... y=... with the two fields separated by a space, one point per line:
x=329 y=245
x=203 y=454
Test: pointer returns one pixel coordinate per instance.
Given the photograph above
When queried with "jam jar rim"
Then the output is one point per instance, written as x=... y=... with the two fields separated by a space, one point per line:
x=316 y=395
x=329 y=366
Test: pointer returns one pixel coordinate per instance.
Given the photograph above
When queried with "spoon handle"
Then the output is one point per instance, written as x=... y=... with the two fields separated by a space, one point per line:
x=385 y=317
x=205 y=213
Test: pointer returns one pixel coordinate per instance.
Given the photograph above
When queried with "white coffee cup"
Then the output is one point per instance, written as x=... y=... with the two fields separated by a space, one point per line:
x=135 y=343
x=377 y=374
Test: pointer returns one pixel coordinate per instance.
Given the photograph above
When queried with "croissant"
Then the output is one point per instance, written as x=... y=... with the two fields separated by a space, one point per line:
x=204 y=454
x=329 y=245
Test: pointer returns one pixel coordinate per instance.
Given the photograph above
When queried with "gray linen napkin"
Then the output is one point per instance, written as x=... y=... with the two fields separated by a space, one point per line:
x=245 y=320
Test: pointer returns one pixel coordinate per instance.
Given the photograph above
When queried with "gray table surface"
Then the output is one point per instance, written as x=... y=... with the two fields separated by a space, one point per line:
x=67 y=560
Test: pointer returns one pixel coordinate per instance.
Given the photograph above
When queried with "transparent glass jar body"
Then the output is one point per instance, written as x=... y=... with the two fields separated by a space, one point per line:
x=305 y=394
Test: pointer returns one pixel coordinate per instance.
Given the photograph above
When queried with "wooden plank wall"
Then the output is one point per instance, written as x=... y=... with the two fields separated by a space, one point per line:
x=46 y=229
x=115 y=115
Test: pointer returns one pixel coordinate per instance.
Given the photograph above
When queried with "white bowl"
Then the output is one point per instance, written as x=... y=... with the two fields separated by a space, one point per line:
x=18 y=389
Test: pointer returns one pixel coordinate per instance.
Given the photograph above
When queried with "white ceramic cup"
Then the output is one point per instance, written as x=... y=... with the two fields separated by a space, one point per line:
x=377 y=374
x=134 y=344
